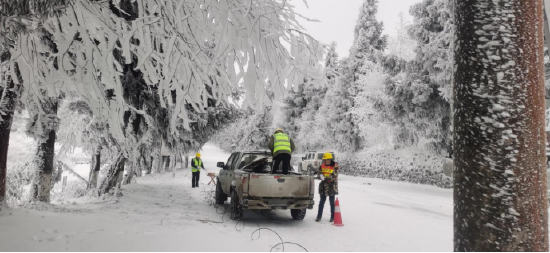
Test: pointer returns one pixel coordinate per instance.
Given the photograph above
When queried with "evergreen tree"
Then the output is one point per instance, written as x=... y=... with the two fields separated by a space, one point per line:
x=335 y=114
x=368 y=34
x=370 y=103
x=339 y=129
x=402 y=45
x=420 y=95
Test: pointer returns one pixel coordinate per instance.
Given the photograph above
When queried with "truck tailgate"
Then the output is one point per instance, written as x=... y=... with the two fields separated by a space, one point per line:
x=279 y=186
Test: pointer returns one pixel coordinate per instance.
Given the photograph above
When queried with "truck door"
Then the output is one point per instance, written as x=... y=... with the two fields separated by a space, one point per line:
x=309 y=160
x=224 y=173
x=230 y=172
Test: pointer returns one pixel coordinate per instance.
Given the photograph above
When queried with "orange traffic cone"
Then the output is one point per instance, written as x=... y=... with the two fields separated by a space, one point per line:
x=337 y=215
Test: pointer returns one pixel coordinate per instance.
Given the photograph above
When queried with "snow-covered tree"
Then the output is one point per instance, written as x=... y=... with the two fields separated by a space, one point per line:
x=16 y=22
x=190 y=52
x=299 y=112
x=368 y=34
x=312 y=133
x=10 y=94
x=80 y=129
x=420 y=94
x=342 y=133
x=369 y=107
x=500 y=191
x=250 y=132
x=245 y=34
x=402 y=45
x=368 y=44
x=292 y=108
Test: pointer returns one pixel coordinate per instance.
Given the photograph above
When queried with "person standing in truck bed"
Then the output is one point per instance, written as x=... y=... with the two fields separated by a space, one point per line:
x=281 y=146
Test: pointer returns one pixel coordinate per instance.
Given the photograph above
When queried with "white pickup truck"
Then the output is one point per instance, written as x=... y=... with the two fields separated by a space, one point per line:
x=246 y=178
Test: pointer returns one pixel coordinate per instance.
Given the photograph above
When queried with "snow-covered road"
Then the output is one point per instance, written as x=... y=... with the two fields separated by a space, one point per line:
x=162 y=213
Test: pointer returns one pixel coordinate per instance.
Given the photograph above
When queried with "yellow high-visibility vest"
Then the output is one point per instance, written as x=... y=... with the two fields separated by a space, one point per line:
x=327 y=170
x=281 y=141
x=197 y=163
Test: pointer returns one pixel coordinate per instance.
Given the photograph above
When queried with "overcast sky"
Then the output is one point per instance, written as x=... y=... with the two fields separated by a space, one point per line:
x=337 y=19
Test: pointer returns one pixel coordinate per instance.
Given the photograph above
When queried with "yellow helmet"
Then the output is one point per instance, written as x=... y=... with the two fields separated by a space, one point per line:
x=198 y=155
x=327 y=156
x=279 y=130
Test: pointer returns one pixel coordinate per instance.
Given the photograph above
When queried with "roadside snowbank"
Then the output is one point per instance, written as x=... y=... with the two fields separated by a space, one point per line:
x=397 y=165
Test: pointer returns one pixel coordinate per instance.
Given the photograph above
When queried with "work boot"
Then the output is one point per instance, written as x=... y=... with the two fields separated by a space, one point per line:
x=318 y=219
x=332 y=218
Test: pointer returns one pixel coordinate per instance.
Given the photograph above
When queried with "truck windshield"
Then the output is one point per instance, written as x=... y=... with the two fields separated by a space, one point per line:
x=250 y=158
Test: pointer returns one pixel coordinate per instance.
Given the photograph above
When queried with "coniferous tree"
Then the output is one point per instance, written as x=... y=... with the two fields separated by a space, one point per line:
x=342 y=132
x=420 y=95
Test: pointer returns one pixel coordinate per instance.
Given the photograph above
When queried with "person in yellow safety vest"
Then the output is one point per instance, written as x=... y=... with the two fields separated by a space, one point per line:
x=196 y=165
x=281 y=146
x=329 y=185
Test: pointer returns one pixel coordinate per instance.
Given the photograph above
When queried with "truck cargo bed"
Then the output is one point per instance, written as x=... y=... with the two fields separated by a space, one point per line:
x=279 y=186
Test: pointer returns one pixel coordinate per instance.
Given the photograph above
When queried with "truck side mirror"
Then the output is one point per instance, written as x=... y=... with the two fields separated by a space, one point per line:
x=221 y=165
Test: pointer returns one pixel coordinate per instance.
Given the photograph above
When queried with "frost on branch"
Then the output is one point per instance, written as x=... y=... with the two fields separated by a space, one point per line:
x=221 y=45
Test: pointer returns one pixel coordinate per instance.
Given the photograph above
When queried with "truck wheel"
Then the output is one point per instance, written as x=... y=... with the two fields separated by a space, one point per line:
x=236 y=207
x=220 y=196
x=298 y=214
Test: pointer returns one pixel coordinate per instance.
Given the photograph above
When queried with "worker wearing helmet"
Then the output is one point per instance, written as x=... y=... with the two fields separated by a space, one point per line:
x=329 y=185
x=196 y=165
x=281 y=146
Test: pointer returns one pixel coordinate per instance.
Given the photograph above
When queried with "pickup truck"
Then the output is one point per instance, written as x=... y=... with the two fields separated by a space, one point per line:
x=246 y=178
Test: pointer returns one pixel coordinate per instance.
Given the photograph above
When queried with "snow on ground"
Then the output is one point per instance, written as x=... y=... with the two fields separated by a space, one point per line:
x=161 y=213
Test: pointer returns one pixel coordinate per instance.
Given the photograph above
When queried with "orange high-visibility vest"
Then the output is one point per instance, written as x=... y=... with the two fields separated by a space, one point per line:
x=327 y=170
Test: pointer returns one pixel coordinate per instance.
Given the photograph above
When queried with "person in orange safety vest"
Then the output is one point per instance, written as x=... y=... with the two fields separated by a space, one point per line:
x=329 y=185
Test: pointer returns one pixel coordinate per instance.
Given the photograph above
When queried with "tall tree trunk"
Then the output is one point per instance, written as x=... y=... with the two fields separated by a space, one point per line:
x=112 y=179
x=44 y=160
x=159 y=162
x=174 y=162
x=186 y=161
x=150 y=166
x=130 y=167
x=57 y=173
x=95 y=167
x=500 y=195
x=166 y=162
x=10 y=95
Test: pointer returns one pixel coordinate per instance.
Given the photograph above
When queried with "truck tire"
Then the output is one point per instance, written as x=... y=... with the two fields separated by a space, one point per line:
x=220 y=196
x=298 y=214
x=236 y=207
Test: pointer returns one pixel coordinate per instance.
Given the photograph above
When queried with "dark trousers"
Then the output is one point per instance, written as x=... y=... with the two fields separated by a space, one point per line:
x=285 y=159
x=195 y=179
x=322 y=205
